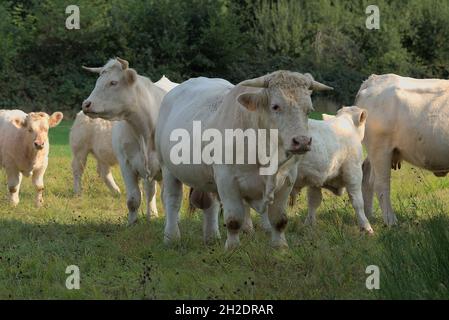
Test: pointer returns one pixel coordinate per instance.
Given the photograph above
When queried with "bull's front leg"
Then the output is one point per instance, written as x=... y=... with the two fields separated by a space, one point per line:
x=314 y=198
x=150 y=198
x=211 y=231
x=381 y=163
x=38 y=182
x=133 y=195
x=265 y=221
x=277 y=215
x=368 y=187
x=14 y=181
x=353 y=178
x=172 y=200
x=234 y=209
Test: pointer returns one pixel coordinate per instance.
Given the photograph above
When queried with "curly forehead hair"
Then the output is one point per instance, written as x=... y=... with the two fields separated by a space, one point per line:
x=38 y=115
x=288 y=80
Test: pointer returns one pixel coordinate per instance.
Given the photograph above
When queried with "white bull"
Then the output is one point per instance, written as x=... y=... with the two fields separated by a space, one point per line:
x=121 y=94
x=279 y=101
x=407 y=120
x=94 y=136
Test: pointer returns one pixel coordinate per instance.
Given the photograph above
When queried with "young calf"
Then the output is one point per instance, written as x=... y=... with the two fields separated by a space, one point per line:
x=92 y=136
x=334 y=163
x=24 y=148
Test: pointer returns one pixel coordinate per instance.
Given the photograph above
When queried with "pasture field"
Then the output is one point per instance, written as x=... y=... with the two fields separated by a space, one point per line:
x=117 y=262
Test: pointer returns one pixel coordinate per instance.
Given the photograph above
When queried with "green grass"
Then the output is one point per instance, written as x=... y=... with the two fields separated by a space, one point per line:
x=325 y=262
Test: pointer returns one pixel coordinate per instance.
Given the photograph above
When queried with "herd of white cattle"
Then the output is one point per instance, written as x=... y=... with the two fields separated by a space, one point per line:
x=127 y=119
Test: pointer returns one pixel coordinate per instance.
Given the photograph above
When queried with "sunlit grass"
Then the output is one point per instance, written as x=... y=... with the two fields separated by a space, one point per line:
x=325 y=262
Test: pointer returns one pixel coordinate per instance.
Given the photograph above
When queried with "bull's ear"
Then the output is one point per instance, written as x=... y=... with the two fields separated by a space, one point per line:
x=327 y=116
x=248 y=100
x=130 y=76
x=359 y=118
x=19 y=122
x=55 y=119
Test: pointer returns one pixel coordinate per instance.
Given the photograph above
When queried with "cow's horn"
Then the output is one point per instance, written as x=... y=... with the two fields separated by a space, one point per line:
x=94 y=70
x=317 y=86
x=256 y=82
x=124 y=63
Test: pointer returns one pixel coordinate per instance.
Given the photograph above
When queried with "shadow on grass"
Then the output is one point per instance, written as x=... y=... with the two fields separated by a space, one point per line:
x=414 y=260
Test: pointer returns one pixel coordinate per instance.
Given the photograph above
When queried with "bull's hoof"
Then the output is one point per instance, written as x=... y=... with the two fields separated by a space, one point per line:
x=152 y=215
x=172 y=236
x=212 y=239
x=368 y=230
x=232 y=243
x=390 y=220
x=280 y=245
x=310 y=221
x=132 y=220
x=14 y=203
x=279 y=242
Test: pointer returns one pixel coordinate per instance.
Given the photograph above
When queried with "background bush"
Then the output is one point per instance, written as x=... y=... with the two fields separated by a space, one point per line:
x=40 y=60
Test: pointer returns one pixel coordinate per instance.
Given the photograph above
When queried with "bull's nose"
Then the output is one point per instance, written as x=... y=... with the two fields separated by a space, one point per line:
x=86 y=105
x=301 y=144
x=39 y=146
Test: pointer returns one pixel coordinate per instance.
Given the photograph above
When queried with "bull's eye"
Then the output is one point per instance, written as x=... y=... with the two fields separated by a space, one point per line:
x=113 y=83
x=276 y=107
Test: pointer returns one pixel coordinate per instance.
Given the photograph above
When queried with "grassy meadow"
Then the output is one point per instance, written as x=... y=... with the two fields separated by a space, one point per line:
x=119 y=262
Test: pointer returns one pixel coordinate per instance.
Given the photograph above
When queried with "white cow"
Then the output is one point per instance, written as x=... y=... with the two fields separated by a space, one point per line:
x=280 y=101
x=24 y=148
x=407 y=120
x=334 y=163
x=121 y=94
x=94 y=136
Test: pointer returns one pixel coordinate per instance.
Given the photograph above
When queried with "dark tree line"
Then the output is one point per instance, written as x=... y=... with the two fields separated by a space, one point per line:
x=40 y=59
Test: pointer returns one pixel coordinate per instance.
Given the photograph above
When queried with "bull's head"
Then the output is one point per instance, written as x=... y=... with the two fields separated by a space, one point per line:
x=111 y=96
x=284 y=104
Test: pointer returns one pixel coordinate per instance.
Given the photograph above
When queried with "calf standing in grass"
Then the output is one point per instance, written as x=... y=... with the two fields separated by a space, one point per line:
x=24 y=148
x=92 y=136
x=334 y=163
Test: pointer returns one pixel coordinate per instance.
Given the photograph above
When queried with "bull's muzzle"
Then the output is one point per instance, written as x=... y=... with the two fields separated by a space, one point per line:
x=300 y=145
x=39 y=145
x=86 y=106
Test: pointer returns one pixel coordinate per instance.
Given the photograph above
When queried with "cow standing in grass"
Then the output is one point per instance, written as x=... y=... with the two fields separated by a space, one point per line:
x=334 y=162
x=24 y=148
x=94 y=136
x=279 y=101
x=407 y=120
x=120 y=94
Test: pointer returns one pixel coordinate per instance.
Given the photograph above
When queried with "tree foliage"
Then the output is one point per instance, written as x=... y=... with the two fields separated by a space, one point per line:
x=40 y=60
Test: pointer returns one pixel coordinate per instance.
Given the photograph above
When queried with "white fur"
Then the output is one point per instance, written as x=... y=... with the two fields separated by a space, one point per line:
x=335 y=162
x=217 y=104
x=407 y=120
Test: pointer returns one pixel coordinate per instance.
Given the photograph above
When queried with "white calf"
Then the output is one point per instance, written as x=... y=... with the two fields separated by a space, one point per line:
x=334 y=163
